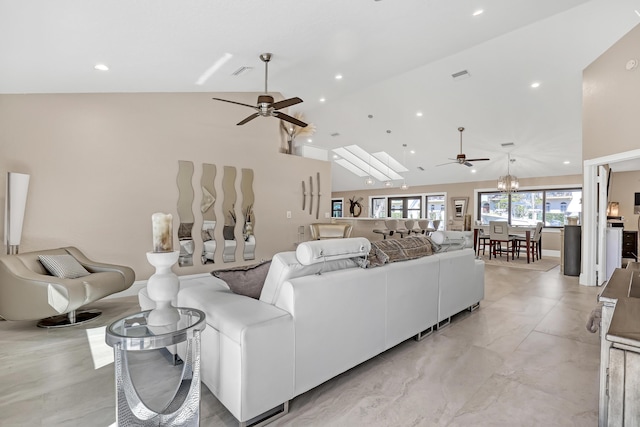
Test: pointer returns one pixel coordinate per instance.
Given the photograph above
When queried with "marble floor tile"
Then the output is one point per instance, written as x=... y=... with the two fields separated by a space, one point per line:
x=523 y=359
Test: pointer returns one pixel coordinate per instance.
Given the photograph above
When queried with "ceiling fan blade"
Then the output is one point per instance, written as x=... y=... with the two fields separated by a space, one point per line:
x=287 y=118
x=477 y=160
x=448 y=163
x=234 y=102
x=468 y=164
x=286 y=103
x=248 y=119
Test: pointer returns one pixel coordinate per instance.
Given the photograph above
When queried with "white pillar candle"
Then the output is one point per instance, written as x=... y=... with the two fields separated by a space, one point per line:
x=162 y=232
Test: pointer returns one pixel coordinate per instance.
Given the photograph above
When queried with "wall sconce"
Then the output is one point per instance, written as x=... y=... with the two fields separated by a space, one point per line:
x=15 y=203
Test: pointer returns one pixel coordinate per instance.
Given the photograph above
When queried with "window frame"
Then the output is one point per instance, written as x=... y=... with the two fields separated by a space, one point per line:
x=544 y=204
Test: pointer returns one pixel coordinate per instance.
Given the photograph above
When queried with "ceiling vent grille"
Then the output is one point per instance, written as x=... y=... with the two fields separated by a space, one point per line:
x=420 y=168
x=460 y=75
x=508 y=144
x=335 y=134
x=241 y=70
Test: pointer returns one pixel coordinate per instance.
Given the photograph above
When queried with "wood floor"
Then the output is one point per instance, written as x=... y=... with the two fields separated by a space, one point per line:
x=524 y=358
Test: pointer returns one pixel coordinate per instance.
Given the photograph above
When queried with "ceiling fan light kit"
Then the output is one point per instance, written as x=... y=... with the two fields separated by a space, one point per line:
x=265 y=106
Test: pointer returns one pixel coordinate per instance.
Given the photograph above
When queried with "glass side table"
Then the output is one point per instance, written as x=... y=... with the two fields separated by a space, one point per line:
x=132 y=333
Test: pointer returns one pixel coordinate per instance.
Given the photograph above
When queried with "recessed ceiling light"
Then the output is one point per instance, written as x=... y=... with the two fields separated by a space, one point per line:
x=335 y=156
x=566 y=162
x=101 y=67
x=478 y=12
x=413 y=151
x=535 y=85
x=322 y=99
x=309 y=140
x=473 y=171
x=338 y=76
x=419 y=114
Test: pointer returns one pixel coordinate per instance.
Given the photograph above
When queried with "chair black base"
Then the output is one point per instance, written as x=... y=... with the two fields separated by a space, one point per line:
x=70 y=319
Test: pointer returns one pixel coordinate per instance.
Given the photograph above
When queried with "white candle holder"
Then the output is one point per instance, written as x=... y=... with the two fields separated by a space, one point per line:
x=162 y=288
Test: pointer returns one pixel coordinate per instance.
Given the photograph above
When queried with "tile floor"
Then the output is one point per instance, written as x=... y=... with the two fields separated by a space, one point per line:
x=524 y=358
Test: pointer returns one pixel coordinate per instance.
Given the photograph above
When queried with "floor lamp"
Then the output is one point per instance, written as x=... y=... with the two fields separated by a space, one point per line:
x=15 y=203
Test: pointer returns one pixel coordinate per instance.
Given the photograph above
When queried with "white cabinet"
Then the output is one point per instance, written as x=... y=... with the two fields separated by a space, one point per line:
x=614 y=250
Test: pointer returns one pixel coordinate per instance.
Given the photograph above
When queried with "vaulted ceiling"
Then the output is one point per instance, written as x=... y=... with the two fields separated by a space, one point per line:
x=396 y=59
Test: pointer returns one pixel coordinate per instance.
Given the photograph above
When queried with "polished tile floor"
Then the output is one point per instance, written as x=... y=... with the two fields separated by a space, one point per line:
x=524 y=358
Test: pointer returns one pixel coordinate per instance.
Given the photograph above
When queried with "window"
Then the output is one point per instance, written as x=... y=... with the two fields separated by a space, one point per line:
x=379 y=207
x=525 y=207
x=405 y=207
x=437 y=210
x=336 y=208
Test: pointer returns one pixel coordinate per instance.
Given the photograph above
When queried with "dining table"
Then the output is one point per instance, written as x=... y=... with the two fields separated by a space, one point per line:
x=515 y=230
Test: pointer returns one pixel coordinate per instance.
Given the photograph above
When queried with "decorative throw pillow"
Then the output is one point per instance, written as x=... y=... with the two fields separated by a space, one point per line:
x=247 y=280
x=63 y=266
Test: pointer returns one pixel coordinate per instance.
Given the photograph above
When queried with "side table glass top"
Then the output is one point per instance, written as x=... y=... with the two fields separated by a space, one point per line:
x=133 y=333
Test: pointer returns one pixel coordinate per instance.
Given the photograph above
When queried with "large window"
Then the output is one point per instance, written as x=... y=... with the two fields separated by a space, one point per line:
x=405 y=207
x=526 y=207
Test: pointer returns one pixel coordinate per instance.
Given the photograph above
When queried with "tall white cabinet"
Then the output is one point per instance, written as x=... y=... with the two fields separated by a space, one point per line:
x=614 y=250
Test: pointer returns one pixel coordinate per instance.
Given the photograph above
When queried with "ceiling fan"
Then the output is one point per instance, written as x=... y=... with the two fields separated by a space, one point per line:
x=462 y=158
x=265 y=106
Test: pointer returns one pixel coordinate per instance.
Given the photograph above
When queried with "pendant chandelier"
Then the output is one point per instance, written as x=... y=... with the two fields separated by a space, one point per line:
x=369 y=180
x=508 y=183
x=404 y=185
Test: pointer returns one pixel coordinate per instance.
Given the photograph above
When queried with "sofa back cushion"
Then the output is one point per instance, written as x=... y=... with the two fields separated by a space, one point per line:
x=310 y=258
x=449 y=240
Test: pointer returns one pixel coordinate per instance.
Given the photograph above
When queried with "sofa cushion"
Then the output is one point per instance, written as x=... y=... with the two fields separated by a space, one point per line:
x=321 y=251
x=285 y=266
x=393 y=250
x=448 y=240
x=245 y=280
x=63 y=266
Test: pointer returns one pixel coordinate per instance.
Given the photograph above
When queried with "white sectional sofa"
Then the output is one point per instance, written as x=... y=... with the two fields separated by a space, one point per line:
x=319 y=315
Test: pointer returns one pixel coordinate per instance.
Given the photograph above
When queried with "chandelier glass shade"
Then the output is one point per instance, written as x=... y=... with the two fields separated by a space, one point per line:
x=369 y=181
x=508 y=183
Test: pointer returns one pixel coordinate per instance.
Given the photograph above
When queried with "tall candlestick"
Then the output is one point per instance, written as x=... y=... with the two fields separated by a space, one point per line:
x=162 y=232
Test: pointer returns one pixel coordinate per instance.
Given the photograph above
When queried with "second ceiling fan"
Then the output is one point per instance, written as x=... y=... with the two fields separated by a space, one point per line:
x=265 y=106
x=462 y=158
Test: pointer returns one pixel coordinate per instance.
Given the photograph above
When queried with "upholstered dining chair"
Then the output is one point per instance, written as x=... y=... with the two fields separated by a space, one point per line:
x=499 y=234
x=483 y=241
x=534 y=243
x=409 y=225
x=436 y=224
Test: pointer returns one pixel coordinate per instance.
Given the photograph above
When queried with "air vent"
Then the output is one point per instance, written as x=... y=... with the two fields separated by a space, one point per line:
x=335 y=134
x=460 y=75
x=242 y=70
x=508 y=144
x=420 y=168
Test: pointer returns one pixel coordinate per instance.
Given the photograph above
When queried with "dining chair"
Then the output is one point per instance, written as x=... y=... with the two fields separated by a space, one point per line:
x=499 y=234
x=403 y=228
x=534 y=243
x=483 y=241
x=390 y=227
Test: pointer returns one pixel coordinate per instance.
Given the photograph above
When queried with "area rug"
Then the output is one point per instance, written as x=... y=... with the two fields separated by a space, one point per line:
x=544 y=264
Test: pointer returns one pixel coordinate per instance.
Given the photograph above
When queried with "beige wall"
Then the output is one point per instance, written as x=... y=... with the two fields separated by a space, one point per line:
x=611 y=101
x=622 y=188
x=551 y=240
x=101 y=164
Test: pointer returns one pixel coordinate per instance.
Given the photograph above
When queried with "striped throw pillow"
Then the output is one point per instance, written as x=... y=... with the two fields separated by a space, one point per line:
x=63 y=266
